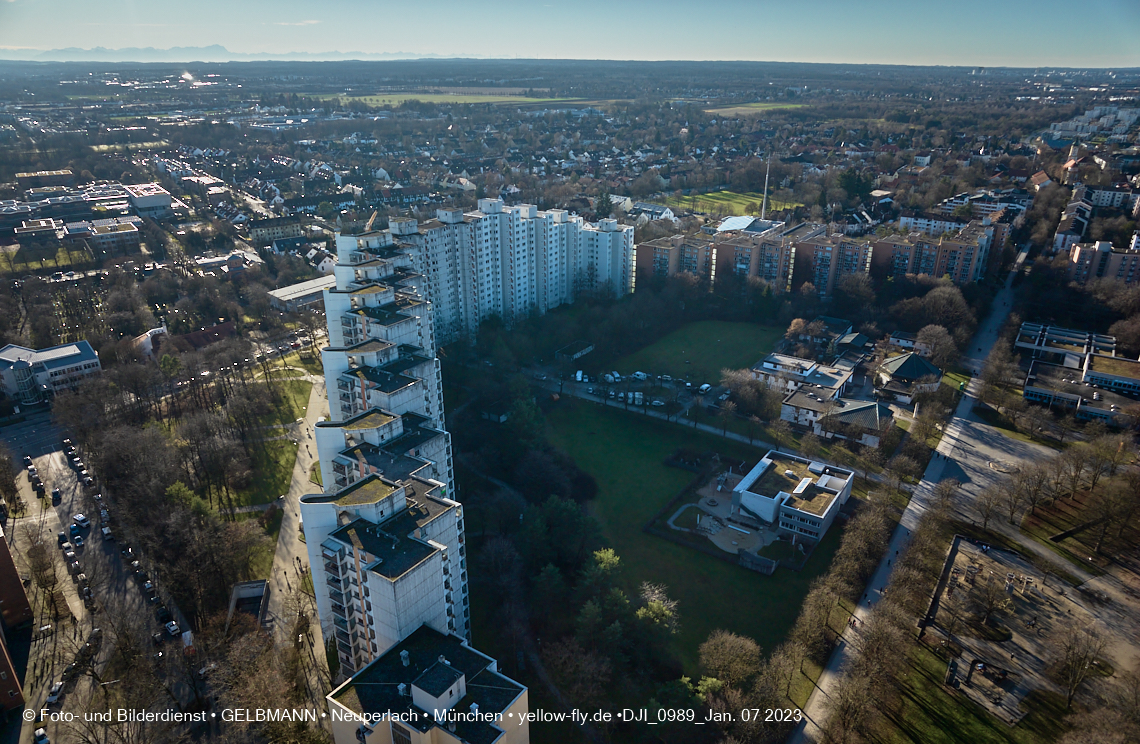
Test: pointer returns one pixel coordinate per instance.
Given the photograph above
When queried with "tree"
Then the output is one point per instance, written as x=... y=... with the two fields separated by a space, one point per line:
x=1013 y=499
x=9 y=491
x=943 y=350
x=1031 y=482
x=604 y=206
x=945 y=492
x=326 y=210
x=726 y=412
x=986 y=503
x=989 y=597
x=1079 y=646
x=729 y=657
x=581 y=674
x=1109 y=505
x=810 y=445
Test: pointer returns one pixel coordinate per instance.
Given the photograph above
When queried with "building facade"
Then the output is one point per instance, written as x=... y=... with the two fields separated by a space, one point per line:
x=385 y=537
x=31 y=376
x=510 y=261
x=1100 y=260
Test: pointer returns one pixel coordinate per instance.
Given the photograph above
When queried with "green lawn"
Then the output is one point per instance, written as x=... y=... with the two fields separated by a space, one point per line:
x=930 y=713
x=295 y=399
x=699 y=351
x=749 y=109
x=272 y=473
x=625 y=453
x=729 y=202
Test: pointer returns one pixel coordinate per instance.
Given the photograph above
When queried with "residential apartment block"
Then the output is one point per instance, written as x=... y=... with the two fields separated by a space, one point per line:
x=1100 y=260
x=759 y=249
x=31 y=376
x=385 y=536
x=825 y=260
x=511 y=261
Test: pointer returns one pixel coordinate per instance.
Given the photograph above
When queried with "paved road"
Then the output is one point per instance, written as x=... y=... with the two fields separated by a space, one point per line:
x=966 y=451
x=291 y=561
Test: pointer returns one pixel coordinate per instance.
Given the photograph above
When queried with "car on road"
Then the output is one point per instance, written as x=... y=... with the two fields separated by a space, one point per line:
x=172 y=629
x=55 y=693
x=81 y=520
x=657 y=402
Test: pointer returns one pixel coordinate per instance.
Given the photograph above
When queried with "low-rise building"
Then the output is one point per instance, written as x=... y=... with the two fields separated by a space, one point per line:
x=1066 y=389
x=274 y=228
x=150 y=200
x=302 y=294
x=32 y=375
x=1064 y=346
x=789 y=373
x=905 y=376
x=793 y=495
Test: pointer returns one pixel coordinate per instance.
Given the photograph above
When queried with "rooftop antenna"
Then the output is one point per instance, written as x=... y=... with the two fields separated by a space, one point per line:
x=764 y=208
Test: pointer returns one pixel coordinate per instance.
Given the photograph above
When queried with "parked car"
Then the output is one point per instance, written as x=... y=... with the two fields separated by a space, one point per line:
x=56 y=496
x=62 y=537
x=172 y=629
x=27 y=461
x=55 y=693
x=40 y=737
x=78 y=541
x=81 y=520
x=107 y=536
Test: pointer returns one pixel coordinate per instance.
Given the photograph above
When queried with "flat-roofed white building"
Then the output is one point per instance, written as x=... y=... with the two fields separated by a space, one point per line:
x=32 y=375
x=794 y=495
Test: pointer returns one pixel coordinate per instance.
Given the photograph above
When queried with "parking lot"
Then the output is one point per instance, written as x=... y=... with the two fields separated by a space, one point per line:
x=98 y=583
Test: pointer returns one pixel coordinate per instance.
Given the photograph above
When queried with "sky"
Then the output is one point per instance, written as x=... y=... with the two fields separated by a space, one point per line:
x=1016 y=33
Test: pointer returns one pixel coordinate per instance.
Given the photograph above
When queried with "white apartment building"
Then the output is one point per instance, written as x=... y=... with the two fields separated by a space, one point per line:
x=510 y=261
x=385 y=541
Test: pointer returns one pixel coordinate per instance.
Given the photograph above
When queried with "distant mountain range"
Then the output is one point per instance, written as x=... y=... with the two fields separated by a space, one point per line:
x=212 y=53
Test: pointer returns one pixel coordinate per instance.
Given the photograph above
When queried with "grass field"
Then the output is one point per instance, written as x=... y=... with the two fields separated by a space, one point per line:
x=751 y=109
x=395 y=99
x=273 y=472
x=625 y=453
x=17 y=260
x=134 y=146
x=699 y=351
x=729 y=202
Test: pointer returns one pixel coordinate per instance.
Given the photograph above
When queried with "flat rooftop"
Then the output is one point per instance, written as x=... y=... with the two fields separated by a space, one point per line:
x=1066 y=382
x=1114 y=365
x=813 y=497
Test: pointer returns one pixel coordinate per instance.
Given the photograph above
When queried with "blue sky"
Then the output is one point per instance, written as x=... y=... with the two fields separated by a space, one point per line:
x=1090 y=33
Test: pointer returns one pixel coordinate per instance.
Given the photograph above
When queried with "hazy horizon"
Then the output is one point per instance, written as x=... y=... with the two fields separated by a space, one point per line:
x=890 y=32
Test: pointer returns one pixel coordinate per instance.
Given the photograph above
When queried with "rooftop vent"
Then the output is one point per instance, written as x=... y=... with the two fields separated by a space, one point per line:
x=790 y=473
x=475 y=708
x=402 y=688
x=404 y=658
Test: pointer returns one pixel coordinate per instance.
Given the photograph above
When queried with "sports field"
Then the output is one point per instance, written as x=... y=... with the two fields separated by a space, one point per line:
x=699 y=351
x=625 y=451
x=729 y=202
x=751 y=109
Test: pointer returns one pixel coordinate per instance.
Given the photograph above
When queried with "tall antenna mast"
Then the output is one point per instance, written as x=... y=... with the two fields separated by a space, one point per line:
x=764 y=208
